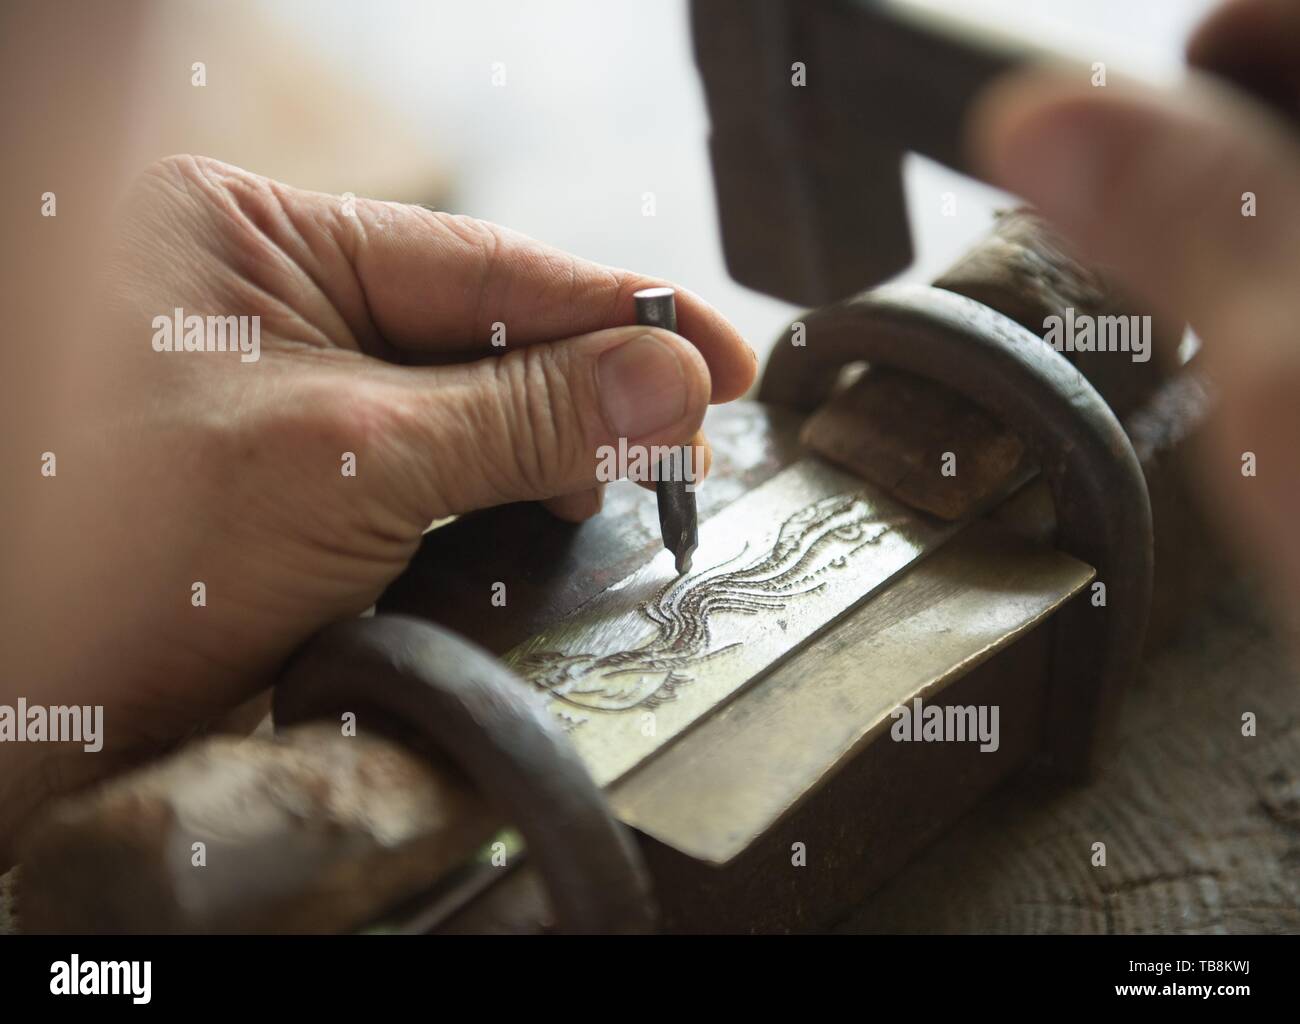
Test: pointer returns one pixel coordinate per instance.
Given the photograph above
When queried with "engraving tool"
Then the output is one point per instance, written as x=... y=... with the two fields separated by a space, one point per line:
x=678 y=521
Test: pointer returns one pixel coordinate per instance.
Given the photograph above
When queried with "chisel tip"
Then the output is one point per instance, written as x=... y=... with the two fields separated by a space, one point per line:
x=684 y=560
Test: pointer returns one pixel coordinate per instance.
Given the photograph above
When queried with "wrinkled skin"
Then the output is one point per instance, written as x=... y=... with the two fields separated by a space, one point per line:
x=376 y=328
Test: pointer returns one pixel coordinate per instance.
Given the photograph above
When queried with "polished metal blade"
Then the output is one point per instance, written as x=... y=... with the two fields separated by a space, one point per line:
x=644 y=660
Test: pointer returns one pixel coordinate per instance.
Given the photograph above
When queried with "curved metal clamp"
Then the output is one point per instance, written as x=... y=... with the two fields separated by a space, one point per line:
x=1102 y=507
x=416 y=675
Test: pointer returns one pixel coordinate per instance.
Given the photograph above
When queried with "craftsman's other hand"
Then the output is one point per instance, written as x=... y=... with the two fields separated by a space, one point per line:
x=1194 y=197
x=210 y=513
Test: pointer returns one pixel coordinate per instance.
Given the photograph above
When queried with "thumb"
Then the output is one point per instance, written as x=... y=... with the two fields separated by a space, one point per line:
x=1157 y=186
x=529 y=425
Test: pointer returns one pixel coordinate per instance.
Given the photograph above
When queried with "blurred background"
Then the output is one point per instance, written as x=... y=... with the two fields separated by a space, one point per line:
x=553 y=118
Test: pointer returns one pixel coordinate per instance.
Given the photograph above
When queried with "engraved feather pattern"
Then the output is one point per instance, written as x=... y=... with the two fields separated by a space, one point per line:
x=820 y=538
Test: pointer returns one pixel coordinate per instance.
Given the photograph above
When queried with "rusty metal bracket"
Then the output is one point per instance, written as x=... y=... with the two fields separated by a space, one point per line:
x=1102 y=507
x=400 y=674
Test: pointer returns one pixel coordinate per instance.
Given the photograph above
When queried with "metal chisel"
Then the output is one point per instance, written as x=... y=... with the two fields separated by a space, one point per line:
x=678 y=521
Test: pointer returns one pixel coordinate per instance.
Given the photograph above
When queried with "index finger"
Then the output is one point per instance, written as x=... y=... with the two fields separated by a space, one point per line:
x=437 y=284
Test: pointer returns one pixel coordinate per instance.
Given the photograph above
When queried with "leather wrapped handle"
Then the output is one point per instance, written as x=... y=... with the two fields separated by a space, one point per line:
x=396 y=671
x=1102 y=506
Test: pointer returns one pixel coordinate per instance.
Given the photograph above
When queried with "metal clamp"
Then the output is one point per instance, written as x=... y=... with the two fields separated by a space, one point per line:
x=417 y=676
x=1102 y=507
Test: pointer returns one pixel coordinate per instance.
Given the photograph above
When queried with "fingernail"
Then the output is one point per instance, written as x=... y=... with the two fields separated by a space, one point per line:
x=642 y=387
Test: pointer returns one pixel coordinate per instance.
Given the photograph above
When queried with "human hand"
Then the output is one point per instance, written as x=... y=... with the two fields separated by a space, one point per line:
x=376 y=322
x=1160 y=186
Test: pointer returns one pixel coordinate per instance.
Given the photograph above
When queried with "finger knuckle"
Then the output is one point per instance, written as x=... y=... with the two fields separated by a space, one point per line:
x=547 y=436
